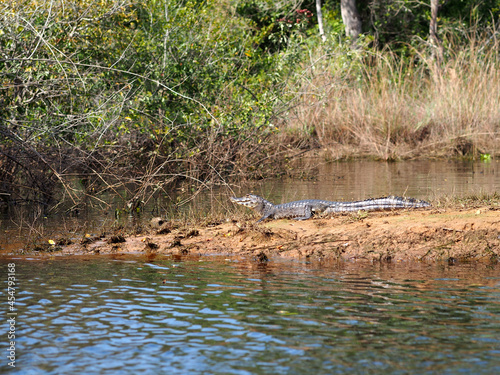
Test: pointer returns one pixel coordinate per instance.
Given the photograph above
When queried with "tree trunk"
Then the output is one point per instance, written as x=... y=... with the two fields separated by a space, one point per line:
x=320 y=20
x=351 y=18
x=433 y=37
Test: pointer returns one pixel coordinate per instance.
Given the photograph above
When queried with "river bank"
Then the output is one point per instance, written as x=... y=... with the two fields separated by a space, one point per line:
x=451 y=234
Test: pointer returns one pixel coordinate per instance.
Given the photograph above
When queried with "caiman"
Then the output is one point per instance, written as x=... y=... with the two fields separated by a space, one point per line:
x=305 y=209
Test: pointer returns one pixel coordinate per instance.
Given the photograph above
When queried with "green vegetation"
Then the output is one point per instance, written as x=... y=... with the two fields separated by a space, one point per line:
x=153 y=92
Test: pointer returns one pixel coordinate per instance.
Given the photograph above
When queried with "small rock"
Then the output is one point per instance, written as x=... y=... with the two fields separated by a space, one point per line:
x=116 y=239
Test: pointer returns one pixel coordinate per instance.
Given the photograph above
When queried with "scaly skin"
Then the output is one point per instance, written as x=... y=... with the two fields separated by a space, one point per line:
x=305 y=209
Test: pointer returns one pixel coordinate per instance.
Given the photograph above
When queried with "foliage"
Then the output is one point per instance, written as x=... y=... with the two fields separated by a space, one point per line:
x=406 y=21
x=276 y=24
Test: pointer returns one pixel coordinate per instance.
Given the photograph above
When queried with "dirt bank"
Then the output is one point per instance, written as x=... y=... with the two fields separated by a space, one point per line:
x=453 y=234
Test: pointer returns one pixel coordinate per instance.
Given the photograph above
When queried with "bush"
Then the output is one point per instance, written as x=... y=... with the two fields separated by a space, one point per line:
x=180 y=87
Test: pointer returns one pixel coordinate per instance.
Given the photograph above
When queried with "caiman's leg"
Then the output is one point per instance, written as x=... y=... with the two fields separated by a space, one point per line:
x=307 y=213
x=263 y=218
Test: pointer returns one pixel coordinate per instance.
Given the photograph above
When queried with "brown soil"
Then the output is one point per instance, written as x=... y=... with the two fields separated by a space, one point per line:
x=469 y=234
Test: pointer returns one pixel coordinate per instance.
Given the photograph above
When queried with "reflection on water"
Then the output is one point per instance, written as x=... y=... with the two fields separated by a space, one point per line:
x=190 y=317
x=331 y=181
x=370 y=179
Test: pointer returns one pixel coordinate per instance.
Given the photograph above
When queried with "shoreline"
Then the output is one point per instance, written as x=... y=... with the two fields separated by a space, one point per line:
x=452 y=234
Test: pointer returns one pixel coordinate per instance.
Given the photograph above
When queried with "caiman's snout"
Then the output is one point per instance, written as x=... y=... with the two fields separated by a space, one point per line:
x=248 y=200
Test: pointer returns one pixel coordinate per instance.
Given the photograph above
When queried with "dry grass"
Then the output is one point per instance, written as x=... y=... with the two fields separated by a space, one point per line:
x=468 y=201
x=380 y=106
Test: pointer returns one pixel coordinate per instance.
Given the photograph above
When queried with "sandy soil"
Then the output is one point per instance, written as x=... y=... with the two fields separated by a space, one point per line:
x=469 y=234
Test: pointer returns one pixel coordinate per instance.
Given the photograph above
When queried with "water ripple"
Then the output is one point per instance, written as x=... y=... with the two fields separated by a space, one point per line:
x=244 y=318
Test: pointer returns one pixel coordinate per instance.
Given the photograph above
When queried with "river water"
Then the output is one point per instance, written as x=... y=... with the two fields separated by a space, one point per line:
x=219 y=316
x=370 y=179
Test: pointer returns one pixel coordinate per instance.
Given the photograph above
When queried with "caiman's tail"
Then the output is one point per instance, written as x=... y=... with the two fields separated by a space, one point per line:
x=377 y=204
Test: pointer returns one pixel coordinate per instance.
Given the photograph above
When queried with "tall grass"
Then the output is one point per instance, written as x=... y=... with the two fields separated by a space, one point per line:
x=368 y=103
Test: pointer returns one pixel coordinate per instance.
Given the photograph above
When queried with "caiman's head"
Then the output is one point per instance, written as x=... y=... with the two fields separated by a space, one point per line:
x=252 y=201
